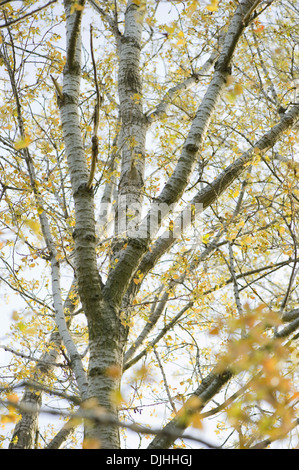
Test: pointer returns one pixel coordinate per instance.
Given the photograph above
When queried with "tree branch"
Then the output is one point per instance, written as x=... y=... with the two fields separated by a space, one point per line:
x=129 y=259
x=74 y=41
x=17 y=20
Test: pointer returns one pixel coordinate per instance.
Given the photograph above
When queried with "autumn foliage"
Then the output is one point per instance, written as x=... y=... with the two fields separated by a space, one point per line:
x=122 y=120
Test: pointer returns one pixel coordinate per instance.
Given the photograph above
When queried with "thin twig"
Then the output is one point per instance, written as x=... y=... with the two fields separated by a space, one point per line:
x=165 y=381
x=96 y=117
x=98 y=416
x=17 y=20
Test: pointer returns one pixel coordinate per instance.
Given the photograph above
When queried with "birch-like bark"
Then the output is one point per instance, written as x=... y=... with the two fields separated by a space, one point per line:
x=162 y=108
x=109 y=332
x=25 y=430
x=129 y=258
x=159 y=306
x=106 y=331
x=24 y=433
x=213 y=383
x=180 y=178
x=213 y=191
x=89 y=283
x=62 y=435
x=104 y=219
x=209 y=387
x=134 y=123
x=291 y=315
x=55 y=278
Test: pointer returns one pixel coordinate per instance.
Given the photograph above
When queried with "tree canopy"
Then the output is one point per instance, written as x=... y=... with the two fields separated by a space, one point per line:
x=149 y=215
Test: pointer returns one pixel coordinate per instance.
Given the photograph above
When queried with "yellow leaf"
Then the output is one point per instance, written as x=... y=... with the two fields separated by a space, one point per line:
x=22 y=143
x=196 y=310
x=116 y=397
x=113 y=371
x=13 y=398
x=295 y=396
x=10 y=418
x=30 y=330
x=269 y=364
x=90 y=403
x=231 y=97
x=191 y=9
x=238 y=89
x=193 y=403
x=33 y=225
x=90 y=443
x=206 y=237
x=214 y=331
x=197 y=422
x=247 y=240
x=76 y=7
x=137 y=98
x=229 y=80
x=213 y=5
x=141 y=373
x=15 y=315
